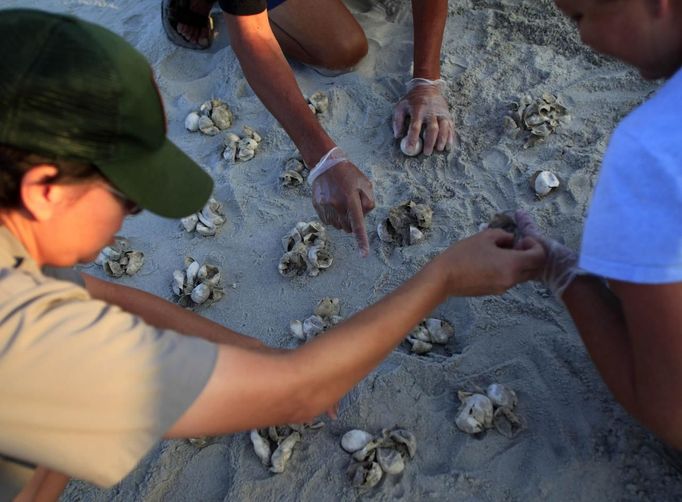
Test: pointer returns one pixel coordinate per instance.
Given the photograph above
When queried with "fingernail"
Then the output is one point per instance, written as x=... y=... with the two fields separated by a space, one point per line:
x=364 y=253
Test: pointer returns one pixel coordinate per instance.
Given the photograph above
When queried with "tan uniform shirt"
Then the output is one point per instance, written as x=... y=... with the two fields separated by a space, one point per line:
x=85 y=388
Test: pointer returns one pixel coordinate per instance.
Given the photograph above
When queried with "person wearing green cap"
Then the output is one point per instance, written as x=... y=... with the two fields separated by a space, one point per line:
x=92 y=377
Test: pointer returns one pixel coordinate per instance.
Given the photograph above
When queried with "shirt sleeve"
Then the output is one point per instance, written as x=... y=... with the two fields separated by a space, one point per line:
x=633 y=230
x=86 y=388
x=243 y=7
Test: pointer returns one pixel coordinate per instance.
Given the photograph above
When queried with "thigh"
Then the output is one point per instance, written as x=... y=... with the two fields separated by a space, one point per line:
x=318 y=32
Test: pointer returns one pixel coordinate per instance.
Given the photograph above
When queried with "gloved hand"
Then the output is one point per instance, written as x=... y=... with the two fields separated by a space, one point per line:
x=561 y=265
x=342 y=195
x=425 y=105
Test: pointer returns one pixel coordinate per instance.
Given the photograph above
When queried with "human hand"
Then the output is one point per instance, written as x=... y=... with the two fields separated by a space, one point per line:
x=425 y=105
x=487 y=263
x=342 y=195
x=561 y=265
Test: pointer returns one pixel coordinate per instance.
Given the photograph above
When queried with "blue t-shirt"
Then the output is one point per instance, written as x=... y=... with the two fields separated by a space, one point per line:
x=633 y=230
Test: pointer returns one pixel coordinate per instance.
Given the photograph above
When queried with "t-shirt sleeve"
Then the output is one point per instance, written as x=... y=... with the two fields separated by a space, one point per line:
x=86 y=388
x=243 y=7
x=633 y=230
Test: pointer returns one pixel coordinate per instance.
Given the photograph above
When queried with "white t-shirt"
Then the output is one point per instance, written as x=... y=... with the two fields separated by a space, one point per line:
x=633 y=230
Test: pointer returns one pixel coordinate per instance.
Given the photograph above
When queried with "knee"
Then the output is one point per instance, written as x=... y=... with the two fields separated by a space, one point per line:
x=347 y=52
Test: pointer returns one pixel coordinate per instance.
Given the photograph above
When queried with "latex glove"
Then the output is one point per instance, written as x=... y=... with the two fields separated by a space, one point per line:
x=342 y=195
x=561 y=266
x=425 y=105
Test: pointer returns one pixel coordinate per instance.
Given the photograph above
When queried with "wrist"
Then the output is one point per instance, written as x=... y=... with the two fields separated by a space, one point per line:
x=420 y=81
x=329 y=160
x=437 y=280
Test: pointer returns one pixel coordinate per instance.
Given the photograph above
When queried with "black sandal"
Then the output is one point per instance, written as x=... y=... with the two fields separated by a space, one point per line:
x=178 y=11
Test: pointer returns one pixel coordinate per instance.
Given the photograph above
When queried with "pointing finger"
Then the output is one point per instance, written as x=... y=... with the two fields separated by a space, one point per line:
x=357 y=223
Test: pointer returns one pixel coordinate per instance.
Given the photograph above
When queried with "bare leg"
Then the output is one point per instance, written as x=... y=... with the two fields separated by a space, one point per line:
x=319 y=32
x=44 y=486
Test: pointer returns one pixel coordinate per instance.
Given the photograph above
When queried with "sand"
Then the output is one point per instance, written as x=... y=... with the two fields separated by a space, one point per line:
x=578 y=444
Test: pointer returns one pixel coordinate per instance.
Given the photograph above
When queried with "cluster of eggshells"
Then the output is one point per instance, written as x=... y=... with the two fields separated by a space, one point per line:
x=544 y=182
x=325 y=315
x=540 y=117
x=428 y=333
x=318 y=103
x=213 y=116
x=374 y=456
x=241 y=148
x=119 y=259
x=207 y=221
x=306 y=249
x=494 y=408
x=275 y=445
x=294 y=174
x=405 y=224
x=197 y=284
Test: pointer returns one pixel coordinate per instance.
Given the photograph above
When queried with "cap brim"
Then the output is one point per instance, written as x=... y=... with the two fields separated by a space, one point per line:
x=166 y=182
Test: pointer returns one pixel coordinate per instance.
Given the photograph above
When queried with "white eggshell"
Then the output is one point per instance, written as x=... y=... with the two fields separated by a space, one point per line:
x=410 y=152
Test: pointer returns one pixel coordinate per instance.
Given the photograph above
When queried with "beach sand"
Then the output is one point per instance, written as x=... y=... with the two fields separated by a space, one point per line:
x=577 y=444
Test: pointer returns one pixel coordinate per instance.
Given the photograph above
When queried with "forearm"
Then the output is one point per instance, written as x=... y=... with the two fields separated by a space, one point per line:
x=335 y=362
x=271 y=78
x=429 y=18
x=295 y=386
x=165 y=315
x=598 y=315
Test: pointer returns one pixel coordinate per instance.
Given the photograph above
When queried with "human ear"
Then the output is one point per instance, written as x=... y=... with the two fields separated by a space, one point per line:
x=38 y=196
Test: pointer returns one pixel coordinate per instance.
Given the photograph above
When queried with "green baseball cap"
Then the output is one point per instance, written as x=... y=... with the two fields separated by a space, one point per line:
x=72 y=90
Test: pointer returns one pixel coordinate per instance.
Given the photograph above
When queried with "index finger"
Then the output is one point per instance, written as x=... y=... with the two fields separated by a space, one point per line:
x=357 y=223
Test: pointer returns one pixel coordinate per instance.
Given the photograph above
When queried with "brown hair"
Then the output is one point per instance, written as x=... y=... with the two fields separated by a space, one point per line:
x=14 y=163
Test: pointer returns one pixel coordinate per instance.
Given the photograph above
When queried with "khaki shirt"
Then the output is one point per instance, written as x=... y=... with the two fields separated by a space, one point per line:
x=85 y=388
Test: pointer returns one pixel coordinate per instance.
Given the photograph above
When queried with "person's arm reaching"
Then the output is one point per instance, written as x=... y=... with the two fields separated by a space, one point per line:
x=632 y=332
x=343 y=194
x=165 y=315
x=250 y=389
x=424 y=103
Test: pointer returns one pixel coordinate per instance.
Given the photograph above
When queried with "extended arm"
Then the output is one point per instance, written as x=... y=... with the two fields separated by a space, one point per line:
x=633 y=334
x=429 y=18
x=250 y=389
x=165 y=315
x=343 y=194
x=424 y=102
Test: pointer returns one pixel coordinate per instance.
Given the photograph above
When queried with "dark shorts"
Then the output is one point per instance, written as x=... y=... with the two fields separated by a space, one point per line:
x=274 y=3
x=248 y=7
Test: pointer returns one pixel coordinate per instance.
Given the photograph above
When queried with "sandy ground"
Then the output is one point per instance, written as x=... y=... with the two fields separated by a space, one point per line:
x=578 y=443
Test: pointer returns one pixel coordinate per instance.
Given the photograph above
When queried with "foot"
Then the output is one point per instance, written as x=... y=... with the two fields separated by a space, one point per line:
x=200 y=36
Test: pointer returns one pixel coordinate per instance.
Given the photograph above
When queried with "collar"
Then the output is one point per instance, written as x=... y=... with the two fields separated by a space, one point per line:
x=13 y=254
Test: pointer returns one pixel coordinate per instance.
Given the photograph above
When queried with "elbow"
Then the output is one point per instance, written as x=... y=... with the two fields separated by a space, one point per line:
x=306 y=398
